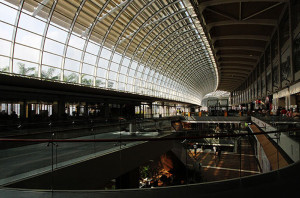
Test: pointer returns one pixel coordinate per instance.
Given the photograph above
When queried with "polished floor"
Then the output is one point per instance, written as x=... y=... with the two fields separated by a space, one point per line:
x=228 y=165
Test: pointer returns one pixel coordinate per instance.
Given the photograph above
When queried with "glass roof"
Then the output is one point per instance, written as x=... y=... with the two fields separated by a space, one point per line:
x=148 y=47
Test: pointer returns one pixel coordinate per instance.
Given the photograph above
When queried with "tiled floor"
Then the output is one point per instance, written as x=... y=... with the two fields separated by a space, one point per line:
x=229 y=165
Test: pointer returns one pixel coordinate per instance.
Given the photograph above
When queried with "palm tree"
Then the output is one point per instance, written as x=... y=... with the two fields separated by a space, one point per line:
x=25 y=71
x=86 y=81
x=5 y=69
x=49 y=74
x=99 y=82
x=71 y=78
x=110 y=84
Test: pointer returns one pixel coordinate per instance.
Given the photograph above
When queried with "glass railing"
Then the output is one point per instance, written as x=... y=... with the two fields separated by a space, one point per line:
x=148 y=155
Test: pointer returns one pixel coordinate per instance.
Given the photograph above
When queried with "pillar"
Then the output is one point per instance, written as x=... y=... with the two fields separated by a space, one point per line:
x=151 y=110
x=23 y=110
x=106 y=110
x=59 y=108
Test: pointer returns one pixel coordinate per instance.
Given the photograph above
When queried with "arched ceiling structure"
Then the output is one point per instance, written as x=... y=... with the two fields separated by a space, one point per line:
x=238 y=31
x=148 y=47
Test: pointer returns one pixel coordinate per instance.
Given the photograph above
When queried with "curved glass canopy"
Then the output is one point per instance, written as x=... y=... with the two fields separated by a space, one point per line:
x=148 y=47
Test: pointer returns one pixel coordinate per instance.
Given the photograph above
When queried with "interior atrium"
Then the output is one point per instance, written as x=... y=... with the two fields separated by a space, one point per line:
x=132 y=98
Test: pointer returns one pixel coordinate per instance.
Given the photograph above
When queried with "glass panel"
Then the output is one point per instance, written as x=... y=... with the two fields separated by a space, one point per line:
x=89 y=58
x=6 y=31
x=76 y=42
x=74 y=53
x=26 y=53
x=131 y=72
x=100 y=82
x=25 y=68
x=4 y=64
x=50 y=73
x=88 y=69
x=123 y=70
x=5 y=47
x=139 y=75
x=101 y=72
x=122 y=78
x=117 y=58
x=87 y=80
x=103 y=63
x=126 y=62
x=122 y=86
x=114 y=67
x=70 y=76
x=141 y=68
x=92 y=48
x=112 y=75
x=106 y=53
x=54 y=47
x=57 y=34
x=7 y=14
x=28 y=39
x=32 y=24
x=72 y=65
x=51 y=59
x=129 y=80
x=111 y=84
x=134 y=65
x=128 y=87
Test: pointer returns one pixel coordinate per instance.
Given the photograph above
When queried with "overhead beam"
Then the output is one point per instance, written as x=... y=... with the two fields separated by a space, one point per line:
x=231 y=71
x=253 y=57
x=221 y=14
x=241 y=37
x=206 y=4
x=263 y=10
x=245 y=64
x=266 y=22
x=257 y=49
x=233 y=75
x=236 y=67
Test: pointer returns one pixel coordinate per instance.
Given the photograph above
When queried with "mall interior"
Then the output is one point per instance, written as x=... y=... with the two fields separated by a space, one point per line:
x=149 y=98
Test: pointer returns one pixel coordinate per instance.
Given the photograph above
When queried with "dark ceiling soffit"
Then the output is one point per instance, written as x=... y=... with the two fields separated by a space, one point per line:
x=28 y=85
